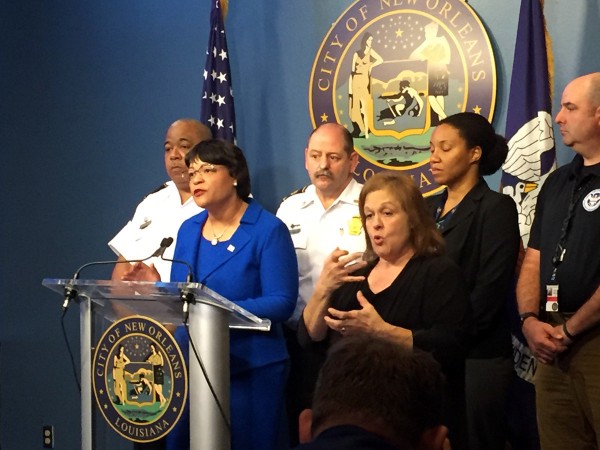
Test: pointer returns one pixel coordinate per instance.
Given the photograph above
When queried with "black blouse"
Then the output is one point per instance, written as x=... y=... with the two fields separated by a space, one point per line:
x=428 y=297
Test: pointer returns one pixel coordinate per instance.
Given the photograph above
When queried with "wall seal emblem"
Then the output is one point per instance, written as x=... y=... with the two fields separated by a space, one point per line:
x=389 y=70
x=139 y=379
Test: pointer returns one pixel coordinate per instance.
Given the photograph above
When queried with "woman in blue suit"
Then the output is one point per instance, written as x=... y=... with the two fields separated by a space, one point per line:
x=481 y=232
x=245 y=254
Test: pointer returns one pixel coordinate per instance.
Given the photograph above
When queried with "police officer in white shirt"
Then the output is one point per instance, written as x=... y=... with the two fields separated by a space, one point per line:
x=161 y=213
x=320 y=217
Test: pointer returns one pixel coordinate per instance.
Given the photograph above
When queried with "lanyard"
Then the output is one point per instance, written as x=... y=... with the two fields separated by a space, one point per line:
x=561 y=246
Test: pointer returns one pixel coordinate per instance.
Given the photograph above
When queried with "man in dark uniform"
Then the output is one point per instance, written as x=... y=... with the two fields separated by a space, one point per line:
x=559 y=286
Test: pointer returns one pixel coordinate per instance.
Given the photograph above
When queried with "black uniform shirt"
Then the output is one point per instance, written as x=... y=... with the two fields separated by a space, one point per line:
x=578 y=275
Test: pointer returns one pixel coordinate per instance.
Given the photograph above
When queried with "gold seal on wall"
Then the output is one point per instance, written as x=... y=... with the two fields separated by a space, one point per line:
x=389 y=71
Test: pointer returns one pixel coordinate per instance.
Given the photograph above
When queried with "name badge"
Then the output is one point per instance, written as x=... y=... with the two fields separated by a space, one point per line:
x=552 y=297
x=295 y=228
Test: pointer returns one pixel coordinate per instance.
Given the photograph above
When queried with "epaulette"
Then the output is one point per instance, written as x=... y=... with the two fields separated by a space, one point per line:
x=160 y=188
x=297 y=191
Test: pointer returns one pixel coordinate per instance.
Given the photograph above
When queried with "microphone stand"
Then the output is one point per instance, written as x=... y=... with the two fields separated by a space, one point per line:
x=186 y=297
x=71 y=292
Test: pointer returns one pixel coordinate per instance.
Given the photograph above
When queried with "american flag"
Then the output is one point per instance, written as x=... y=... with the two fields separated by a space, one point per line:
x=217 y=100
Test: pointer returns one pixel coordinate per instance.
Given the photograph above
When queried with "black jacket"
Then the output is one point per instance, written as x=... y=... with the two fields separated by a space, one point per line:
x=483 y=238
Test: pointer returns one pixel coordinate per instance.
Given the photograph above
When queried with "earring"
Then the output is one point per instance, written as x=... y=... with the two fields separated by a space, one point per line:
x=235 y=183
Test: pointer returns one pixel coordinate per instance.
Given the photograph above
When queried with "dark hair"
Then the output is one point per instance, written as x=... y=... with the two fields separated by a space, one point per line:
x=478 y=132
x=373 y=381
x=363 y=43
x=224 y=153
x=346 y=136
x=424 y=236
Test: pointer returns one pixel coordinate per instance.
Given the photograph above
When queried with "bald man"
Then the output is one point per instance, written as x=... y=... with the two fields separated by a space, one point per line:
x=161 y=213
x=559 y=286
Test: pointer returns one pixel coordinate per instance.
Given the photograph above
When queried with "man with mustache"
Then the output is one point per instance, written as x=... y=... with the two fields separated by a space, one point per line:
x=321 y=217
x=161 y=213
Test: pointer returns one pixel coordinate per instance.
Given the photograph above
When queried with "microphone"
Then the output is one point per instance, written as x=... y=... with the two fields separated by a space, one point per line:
x=71 y=292
x=164 y=245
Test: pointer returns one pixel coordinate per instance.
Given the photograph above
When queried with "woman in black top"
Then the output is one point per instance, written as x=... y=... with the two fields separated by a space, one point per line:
x=404 y=290
x=481 y=231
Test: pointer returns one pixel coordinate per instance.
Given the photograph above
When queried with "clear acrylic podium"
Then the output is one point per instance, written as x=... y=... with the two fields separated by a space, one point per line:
x=101 y=302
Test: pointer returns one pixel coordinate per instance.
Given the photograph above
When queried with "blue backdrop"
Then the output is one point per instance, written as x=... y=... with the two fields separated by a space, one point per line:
x=88 y=89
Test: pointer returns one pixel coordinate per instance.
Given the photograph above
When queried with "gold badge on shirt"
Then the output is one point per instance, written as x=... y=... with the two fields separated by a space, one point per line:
x=354 y=226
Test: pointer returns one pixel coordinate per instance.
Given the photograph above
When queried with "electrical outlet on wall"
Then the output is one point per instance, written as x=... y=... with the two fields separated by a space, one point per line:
x=48 y=436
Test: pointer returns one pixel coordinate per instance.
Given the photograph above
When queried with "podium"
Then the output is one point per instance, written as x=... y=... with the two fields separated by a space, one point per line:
x=102 y=302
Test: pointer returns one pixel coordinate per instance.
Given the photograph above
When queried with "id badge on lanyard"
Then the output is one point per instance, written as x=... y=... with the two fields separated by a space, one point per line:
x=561 y=250
x=552 y=287
x=552 y=297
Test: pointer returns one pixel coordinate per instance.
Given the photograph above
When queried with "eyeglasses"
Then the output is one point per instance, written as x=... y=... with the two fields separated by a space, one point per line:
x=206 y=171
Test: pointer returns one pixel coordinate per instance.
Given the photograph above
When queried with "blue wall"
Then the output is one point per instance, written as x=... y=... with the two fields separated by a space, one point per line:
x=87 y=92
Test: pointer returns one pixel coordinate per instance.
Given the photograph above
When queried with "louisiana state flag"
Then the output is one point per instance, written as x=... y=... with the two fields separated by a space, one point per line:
x=531 y=154
x=218 y=110
x=531 y=157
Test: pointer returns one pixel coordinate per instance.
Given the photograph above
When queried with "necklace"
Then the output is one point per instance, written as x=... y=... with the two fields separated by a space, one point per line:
x=215 y=240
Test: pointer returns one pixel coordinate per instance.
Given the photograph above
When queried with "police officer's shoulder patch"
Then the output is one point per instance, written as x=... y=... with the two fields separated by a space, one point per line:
x=160 y=188
x=297 y=191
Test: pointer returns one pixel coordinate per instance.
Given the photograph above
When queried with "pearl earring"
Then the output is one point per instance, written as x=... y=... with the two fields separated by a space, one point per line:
x=235 y=183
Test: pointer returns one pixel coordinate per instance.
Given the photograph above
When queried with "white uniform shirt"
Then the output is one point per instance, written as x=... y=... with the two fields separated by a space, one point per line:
x=316 y=232
x=157 y=217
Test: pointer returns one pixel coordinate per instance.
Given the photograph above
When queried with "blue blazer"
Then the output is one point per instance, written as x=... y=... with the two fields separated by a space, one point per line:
x=259 y=272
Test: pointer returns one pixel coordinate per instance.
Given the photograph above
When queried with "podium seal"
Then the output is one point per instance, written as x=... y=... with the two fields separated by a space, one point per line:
x=139 y=379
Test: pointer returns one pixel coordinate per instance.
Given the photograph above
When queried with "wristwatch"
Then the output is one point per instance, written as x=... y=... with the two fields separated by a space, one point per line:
x=526 y=315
